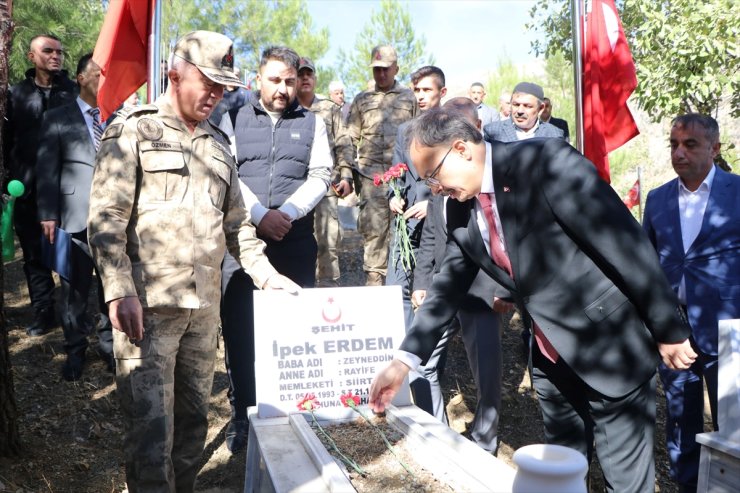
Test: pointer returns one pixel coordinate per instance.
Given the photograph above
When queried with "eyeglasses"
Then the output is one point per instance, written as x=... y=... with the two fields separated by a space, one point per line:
x=432 y=182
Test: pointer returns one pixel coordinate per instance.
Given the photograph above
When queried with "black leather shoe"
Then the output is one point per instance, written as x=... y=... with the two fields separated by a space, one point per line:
x=43 y=323
x=236 y=435
x=72 y=369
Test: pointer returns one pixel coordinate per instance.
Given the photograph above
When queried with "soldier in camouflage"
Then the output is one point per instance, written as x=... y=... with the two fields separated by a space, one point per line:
x=326 y=217
x=164 y=206
x=373 y=124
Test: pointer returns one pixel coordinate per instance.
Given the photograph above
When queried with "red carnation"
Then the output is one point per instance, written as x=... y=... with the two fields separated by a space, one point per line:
x=349 y=400
x=308 y=403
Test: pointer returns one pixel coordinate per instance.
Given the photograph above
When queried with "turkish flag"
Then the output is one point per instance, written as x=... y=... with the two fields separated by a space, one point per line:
x=633 y=196
x=608 y=80
x=121 y=52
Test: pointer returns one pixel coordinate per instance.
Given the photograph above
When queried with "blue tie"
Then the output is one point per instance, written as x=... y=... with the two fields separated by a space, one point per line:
x=97 y=127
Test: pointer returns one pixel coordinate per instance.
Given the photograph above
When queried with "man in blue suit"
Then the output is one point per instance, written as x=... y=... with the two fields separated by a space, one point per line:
x=694 y=223
x=65 y=162
x=527 y=101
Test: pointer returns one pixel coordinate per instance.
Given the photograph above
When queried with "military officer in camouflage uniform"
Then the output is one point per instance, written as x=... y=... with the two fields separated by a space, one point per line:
x=165 y=204
x=326 y=217
x=373 y=124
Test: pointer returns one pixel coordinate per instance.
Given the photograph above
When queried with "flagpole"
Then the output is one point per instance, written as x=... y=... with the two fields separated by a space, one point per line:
x=576 y=10
x=154 y=82
x=639 y=194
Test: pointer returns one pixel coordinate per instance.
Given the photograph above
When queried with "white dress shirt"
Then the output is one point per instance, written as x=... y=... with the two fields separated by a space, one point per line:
x=691 y=207
x=85 y=108
x=527 y=134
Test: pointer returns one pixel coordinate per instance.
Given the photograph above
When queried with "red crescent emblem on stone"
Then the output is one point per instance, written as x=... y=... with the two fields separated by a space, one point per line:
x=331 y=313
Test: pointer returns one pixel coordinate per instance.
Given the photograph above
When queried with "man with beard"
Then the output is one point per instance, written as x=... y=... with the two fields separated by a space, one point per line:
x=284 y=163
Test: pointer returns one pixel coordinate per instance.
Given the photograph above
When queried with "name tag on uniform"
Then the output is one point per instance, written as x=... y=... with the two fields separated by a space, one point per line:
x=159 y=145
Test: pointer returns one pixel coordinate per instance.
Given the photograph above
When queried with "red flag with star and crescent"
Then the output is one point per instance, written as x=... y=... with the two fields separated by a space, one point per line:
x=609 y=78
x=633 y=195
x=121 y=52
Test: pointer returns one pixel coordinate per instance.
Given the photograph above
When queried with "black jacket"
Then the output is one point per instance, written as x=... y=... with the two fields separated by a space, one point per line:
x=583 y=268
x=26 y=105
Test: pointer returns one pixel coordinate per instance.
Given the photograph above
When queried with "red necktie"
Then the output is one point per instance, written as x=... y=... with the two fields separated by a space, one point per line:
x=501 y=259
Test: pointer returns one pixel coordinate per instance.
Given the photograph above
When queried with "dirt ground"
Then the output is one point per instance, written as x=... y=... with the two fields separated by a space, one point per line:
x=72 y=432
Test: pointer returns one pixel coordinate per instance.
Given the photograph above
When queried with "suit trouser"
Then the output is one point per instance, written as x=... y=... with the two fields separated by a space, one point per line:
x=397 y=276
x=424 y=381
x=373 y=222
x=481 y=335
x=164 y=384
x=38 y=277
x=328 y=233
x=76 y=321
x=294 y=258
x=578 y=417
x=684 y=393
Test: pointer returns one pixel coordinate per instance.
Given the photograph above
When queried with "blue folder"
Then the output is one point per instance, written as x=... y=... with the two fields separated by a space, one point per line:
x=69 y=257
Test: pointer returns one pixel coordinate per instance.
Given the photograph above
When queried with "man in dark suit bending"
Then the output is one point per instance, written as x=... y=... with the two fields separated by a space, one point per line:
x=577 y=265
x=68 y=141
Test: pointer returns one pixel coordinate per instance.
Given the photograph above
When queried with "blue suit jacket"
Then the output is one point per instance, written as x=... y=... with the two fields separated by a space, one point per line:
x=712 y=263
x=64 y=168
x=504 y=131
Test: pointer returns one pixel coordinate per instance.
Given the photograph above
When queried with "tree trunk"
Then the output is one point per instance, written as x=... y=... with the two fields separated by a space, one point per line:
x=9 y=436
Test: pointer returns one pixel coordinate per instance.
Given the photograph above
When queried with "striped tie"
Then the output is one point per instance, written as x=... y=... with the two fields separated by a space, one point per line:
x=97 y=127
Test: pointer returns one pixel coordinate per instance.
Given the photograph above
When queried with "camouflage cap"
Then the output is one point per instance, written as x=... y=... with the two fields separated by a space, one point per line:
x=212 y=53
x=383 y=56
x=306 y=63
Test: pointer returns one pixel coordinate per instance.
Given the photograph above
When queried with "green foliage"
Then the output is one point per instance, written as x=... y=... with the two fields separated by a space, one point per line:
x=557 y=84
x=75 y=22
x=686 y=51
x=252 y=24
x=392 y=25
x=503 y=78
x=559 y=88
x=324 y=76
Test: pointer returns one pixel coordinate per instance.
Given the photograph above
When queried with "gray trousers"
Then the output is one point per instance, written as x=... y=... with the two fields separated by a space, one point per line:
x=77 y=322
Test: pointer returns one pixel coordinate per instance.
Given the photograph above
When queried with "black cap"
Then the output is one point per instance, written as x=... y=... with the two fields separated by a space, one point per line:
x=530 y=88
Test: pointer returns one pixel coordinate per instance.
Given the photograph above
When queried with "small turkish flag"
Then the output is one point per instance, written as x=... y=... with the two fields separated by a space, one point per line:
x=633 y=196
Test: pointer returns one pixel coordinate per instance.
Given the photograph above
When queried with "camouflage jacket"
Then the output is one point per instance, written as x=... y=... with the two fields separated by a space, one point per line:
x=164 y=206
x=373 y=125
x=339 y=141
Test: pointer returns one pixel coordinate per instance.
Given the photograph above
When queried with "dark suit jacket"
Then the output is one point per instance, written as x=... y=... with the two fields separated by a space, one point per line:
x=584 y=269
x=711 y=265
x=562 y=125
x=430 y=257
x=64 y=168
x=414 y=189
x=504 y=131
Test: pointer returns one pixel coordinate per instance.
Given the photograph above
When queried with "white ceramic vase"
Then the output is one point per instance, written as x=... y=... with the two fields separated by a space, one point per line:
x=549 y=469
